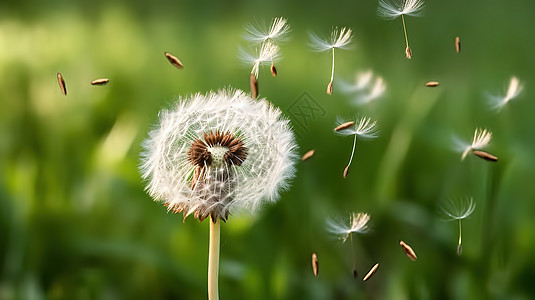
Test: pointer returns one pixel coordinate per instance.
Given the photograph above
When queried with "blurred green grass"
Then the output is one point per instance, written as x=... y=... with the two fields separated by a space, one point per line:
x=75 y=222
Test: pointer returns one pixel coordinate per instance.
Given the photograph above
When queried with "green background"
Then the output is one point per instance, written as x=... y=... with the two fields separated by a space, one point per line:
x=75 y=222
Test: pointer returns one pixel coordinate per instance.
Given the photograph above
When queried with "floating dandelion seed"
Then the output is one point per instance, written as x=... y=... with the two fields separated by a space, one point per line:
x=315 y=264
x=277 y=32
x=215 y=153
x=358 y=223
x=269 y=52
x=308 y=155
x=481 y=140
x=401 y=8
x=458 y=44
x=174 y=60
x=339 y=39
x=371 y=272
x=101 y=81
x=432 y=84
x=514 y=89
x=408 y=251
x=62 y=85
x=459 y=209
x=365 y=88
x=365 y=129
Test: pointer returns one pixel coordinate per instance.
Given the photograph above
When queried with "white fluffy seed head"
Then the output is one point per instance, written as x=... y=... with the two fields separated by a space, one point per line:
x=358 y=223
x=218 y=188
x=396 y=8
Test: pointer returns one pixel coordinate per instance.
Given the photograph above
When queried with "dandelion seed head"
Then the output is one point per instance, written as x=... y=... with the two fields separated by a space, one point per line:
x=364 y=128
x=358 y=223
x=459 y=208
x=277 y=31
x=216 y=153
x=513 y=90
x=340 y=38
x=395 y=8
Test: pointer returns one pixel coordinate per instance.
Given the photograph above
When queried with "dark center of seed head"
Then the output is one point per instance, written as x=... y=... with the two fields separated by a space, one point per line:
x=217 y=149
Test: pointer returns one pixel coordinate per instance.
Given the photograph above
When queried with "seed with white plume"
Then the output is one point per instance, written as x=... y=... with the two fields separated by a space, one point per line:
x=218 y=152
x=340 y=38
x=277 y=31
x=268 y=53
x=366 y=88
x=481 y=140
x=365 y=129
x=357 y=224
x=513 y=90
x=459 y=209
x=390 y=10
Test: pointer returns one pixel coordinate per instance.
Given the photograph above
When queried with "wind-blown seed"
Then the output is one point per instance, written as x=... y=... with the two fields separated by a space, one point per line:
x=101 y=81
x=308 y=155
x=346 y=171
x=458 y=44
x=344 y=125
x=174 y=60
x=330 y=88
x=315 y=265
x=273 y=70
x=432 y=83
x=62 y=85
x=408 y=251
x=371 y=272
x=254 y=86
x=408 y=52
x=485 y=155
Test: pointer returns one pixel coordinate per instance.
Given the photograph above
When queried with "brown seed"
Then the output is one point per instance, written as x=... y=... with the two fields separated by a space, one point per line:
x=408 y=251
x=308 y=155
x=408 y=52
x=174 y=60
x=371 y=272
x=62 y=85
x=330 y=88
x=315 y=265
x=355 y=273
x=458 y=44
x=344 y=126
x=346 y=171
x=254 y=86
x=273 y=70
x=485 y=155
x=432 y=83
x=101 y=81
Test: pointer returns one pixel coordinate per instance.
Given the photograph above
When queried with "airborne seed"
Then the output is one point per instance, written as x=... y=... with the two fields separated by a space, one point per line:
x=408 y=251
x=101 y=81
x=344 y=126
x=174 y=60
x=485 y=155
x=458 y=44
x=330 y=88
x=408 y=52
x=315 y=265
x=432 y=83
x=308 y=155
x=62 y=85
x=273 y=70
x=371 y=272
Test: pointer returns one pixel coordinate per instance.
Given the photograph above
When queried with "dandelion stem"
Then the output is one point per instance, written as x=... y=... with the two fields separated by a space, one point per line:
x=332 y=71
x=352 y=151
x=405 y=31
x=213 y=259
x=459 y=247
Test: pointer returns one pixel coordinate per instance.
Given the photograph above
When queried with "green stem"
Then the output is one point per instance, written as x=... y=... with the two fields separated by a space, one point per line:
x=213 y=259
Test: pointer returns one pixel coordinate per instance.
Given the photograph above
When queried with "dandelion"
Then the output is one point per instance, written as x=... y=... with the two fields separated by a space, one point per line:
x=459 y=209
x=269 y=52
x=481 y=140
x=389 y=10
x=514 y=89
x=214 y=154
x=339 y=39
x=357 y=224
x=363 y=128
